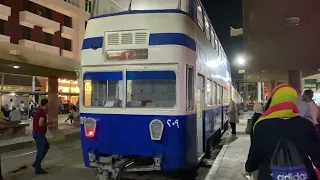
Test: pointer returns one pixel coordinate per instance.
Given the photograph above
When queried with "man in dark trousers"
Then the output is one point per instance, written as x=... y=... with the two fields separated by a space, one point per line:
x=40 y=124
x=1 y=178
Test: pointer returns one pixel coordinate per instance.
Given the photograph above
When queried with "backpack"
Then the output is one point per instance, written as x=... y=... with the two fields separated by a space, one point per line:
x=286 y=162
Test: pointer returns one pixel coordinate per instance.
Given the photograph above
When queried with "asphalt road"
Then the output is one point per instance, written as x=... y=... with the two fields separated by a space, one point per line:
x=63 y=162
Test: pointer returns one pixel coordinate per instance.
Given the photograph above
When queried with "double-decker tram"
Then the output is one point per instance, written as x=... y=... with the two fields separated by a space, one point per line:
x=155 y=86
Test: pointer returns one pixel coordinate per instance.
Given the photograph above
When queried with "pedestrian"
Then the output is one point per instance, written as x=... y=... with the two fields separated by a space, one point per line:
x=21 y=108
x=31 y=110
x=1 y=178
x=73 y=114
x=15 y=115
x=10 y=105
x=233 y=116
x=258 y=111
x=282 y=121
x=312 y=108
x=40 y=124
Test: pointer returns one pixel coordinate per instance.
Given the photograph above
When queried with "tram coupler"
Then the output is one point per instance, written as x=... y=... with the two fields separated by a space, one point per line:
x=109 y=168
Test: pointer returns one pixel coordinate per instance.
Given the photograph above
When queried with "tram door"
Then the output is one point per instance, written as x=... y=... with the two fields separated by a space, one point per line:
x=200 y=106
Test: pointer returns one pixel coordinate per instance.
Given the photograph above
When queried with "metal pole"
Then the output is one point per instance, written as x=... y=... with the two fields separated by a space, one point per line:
x=245 y=98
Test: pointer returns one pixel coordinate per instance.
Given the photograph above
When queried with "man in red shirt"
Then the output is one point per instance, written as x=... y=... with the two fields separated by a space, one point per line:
x=40 y=124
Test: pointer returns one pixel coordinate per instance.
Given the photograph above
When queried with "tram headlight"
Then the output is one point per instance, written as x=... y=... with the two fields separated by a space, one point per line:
x=90 y=125
x=156 y=129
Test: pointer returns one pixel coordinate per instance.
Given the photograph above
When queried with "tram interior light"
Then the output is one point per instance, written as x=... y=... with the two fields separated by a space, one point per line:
x=16 y=67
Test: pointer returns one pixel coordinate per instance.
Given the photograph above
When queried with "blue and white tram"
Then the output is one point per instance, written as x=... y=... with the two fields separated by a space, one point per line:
x=155 y=84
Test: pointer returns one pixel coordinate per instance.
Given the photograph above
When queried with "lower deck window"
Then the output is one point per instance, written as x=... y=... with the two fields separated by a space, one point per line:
x=103 y=89
x=144 y=89
x=148 y=89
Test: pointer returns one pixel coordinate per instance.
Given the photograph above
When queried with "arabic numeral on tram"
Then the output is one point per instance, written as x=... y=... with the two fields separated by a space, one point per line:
x=172 y=123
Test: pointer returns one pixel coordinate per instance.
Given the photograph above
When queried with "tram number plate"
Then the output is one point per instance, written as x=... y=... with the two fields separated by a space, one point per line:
x=127 y=54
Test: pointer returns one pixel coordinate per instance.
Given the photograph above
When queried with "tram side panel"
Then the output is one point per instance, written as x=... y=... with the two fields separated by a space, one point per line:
x=129 y=135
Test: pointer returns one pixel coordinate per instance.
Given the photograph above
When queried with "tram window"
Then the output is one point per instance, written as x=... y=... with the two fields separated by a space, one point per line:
x=213 y=38
x=219 y=94
x=209 y=92
x=190 y=89
x=215 y=42
x=225 y=96
x=207 y=28
x=214 y=93
x=200 y=16
x=151 y=89
x=103 y=89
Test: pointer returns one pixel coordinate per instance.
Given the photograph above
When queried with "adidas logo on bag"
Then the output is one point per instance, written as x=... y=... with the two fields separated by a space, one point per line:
x=290 y=176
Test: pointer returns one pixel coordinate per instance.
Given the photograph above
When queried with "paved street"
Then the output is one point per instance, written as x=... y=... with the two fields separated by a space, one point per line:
x=229 y=165
x=63 y=161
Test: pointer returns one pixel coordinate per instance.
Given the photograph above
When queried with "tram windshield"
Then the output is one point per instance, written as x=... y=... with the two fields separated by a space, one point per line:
x=141 y=89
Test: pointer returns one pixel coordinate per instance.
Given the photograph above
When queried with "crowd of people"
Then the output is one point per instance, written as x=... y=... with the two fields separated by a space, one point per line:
x=10 y=112
x=284 y=137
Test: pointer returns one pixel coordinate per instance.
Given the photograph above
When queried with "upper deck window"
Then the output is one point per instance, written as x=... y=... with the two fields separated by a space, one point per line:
x=207 y=26
x=151 y=89
x=200 y=15
x=213 y=38
x=154 y=4
x=103 y=89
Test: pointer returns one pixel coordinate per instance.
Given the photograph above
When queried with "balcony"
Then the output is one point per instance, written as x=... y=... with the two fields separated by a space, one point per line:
x=4 y=38
x=68 y=54
x=30 y=20
x=5 y=12
x=39 y=46
x=67 y=32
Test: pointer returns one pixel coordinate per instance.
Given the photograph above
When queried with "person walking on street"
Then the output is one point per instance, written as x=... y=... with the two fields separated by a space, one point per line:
x=282 y=122
x=74 y=114
x=40 y=124
x=233 y=116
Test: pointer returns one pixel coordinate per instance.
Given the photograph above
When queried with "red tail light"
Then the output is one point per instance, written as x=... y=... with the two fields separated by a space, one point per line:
x=90 y=127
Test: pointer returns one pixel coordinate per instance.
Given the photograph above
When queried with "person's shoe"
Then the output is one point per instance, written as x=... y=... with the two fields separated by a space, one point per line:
x=41 y=172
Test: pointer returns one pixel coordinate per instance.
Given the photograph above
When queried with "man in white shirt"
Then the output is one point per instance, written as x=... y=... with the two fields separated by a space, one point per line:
x=10 y=105
x=21 y=107
x=312 y=107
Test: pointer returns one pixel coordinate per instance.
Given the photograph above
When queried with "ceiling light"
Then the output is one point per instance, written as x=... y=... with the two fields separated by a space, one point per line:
x=16 y=67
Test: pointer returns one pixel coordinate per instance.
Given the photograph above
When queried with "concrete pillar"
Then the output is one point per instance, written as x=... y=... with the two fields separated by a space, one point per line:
x=263 y=94
x=259 y=92
x=2 y=81
x=271 y=86
x=53 y=100
x=33 y=88
x=295 y=80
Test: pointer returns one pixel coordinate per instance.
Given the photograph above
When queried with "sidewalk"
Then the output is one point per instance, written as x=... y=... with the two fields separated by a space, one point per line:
x=229 y=165
x=65 y=131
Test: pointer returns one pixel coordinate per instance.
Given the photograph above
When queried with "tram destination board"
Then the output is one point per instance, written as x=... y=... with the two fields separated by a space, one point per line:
x=131 y=54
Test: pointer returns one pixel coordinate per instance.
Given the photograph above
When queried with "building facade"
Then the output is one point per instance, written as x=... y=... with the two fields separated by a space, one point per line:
x=53 y=26
x=43 y=38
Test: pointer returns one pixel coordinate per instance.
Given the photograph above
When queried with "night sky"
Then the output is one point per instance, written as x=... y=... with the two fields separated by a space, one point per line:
x=223 y=14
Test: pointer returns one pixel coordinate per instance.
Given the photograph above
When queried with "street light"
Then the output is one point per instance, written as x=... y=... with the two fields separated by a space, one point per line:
x=241 y=61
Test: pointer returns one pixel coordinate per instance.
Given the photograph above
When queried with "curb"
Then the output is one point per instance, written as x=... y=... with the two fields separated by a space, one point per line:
x=31 y=143
x=214 y=168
